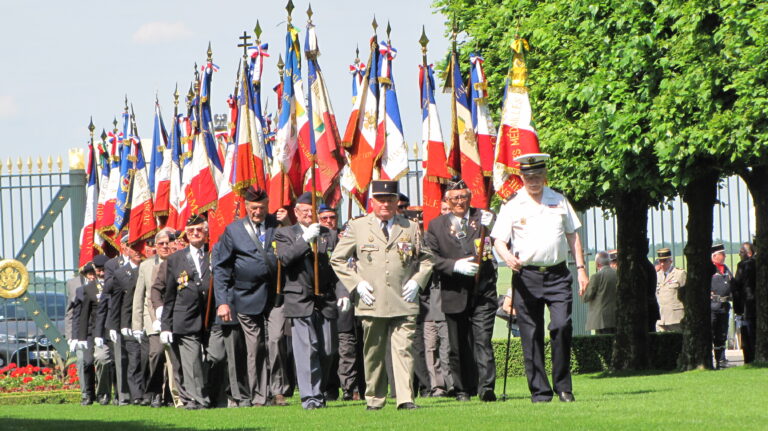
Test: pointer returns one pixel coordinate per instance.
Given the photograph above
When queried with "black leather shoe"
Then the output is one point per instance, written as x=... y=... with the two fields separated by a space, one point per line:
x=193 y=406
x=87 y=400
x=566 y=397
x=346 y=396
x=104 y=400
x=372 y=408
x=124 y=403
x=157 y=401
x=540 y=400
x=461 y=396
x=407 y=406
x=488 y=396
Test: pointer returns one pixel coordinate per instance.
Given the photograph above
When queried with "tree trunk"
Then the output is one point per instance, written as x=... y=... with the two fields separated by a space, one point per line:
x=757 y=182
x=700 y=196
x=630 y=346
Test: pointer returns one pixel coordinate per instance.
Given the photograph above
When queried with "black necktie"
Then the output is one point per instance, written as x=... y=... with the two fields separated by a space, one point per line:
x=384 y=229
x=463 y=225
x=200 y=258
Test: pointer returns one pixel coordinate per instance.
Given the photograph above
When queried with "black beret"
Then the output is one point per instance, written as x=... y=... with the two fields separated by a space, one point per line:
x=100 y=260
x=403 y=198
x=88 y=267
x=195 y=219
x=456 y=183
x=255 y=194
x=305 y=198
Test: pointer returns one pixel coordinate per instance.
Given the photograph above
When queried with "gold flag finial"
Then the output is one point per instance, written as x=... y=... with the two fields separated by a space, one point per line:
x=114 y=123
x=280 y=65
x=103 y=136
x=209 y=52
x=59 y=162
x=389 y=30
x=374 y=24
x=309 y=13
x=357 y=54
x=424 y=41
x=176 y=95
x=289 y=7
x=245 y=45
x=257 y=32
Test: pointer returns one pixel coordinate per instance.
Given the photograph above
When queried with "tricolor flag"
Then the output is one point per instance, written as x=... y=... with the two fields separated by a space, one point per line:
x=325 y=143
x=176 y=190
x=258 y=143
x=229 y=202
x=360 y=135
x=160 y=166
x=348 y=184
x=286 y=161
x=464 y=158
x=110 y=178
x=390 y=142
x=516 y=133
x=249 y=139
x=433 y=147
x=123 y=201
x=142 y=223
x=89 y=241
x=481 y=118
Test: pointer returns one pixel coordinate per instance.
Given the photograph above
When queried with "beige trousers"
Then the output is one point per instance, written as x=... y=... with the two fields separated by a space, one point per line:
x=400 y=331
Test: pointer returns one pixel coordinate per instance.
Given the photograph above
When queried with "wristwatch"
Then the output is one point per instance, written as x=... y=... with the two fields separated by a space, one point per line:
x=578 y=267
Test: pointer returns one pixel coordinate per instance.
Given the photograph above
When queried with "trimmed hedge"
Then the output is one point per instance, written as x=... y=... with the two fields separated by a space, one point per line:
x=42 y=397
x=591 y=353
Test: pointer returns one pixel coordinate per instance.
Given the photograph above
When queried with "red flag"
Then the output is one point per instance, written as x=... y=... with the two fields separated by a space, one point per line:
x=89 y=241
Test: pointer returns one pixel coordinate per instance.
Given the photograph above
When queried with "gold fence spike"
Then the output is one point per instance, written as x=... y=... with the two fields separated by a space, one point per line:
x=50 y=164
x=1 y=168
x=19 y=164
x=9 y=164
x=59 y=162
x=29 y=164
x=39 y=165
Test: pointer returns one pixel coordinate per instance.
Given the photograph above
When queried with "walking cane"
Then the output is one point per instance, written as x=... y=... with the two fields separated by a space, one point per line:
x=509 y=334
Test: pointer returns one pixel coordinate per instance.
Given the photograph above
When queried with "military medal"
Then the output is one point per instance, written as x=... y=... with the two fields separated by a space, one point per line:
x=183 y=280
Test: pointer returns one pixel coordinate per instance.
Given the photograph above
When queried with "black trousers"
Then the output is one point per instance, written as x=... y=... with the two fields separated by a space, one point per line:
x=749 y=338
x=155 y=372
x=719 y=333
x=471 y=360
x=533 y=291
x=137 y=354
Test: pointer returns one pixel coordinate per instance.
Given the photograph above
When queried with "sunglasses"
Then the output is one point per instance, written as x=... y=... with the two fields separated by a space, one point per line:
x=195 y=229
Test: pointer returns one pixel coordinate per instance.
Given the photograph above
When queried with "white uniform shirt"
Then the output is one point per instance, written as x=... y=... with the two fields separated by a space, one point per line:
x=537 y=231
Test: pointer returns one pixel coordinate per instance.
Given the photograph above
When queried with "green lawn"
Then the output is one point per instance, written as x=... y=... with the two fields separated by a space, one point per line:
x=733 y=399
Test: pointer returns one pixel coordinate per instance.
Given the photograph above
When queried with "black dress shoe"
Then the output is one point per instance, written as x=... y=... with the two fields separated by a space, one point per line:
x=541 y=400
x=124 y=403
x=87 y=400
x=461 y=396
x=104 y=400
x=157 y=401
x=407 y=406
x=372 y=408
x=566 y=397
x=488 y=396
x=193 y=406
x=346 y=396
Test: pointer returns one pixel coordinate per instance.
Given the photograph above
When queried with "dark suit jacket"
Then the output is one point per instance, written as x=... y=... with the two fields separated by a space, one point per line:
x=456 y=290
x=601 y=297
x=744 y=288
x=125 y=284
x=297 y=259
x=110 y=267
x=244 y=271
x=184 y=303
x=650 y=294
x=88 y=321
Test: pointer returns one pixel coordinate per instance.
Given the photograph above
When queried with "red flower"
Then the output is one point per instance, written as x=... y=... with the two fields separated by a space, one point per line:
x=49 y=377
x=12 y=365
x=27 y=379
x=47 y=370
x=36 y=369
x=72 y=365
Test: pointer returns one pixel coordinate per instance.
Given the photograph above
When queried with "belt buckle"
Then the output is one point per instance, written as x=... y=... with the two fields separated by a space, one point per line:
x=542 y=269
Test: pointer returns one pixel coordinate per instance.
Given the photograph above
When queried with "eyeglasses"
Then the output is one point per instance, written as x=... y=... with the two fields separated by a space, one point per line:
x=305 y=210
x=459 y=198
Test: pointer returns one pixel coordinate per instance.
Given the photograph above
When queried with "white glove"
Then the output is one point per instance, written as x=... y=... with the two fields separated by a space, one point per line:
x=156 y=325
x=98 y=342
x=137 y=334
x=466 y=266
x=365 y=290
x=486 y=218
x=83 y=344
x=312 y=232
x=113 y=335
x=72 y=345
x=159 y=312
x=126 y=332
x=410 y=290
x=343 y=304
x=166 y=337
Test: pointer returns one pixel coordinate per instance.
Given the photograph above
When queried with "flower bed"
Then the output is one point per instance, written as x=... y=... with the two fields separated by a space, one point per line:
x=30 y=378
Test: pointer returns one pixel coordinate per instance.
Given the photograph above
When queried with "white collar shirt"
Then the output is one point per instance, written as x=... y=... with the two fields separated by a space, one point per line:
x=537 y=230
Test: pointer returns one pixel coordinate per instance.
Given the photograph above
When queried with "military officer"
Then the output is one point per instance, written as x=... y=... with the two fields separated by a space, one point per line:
x=541 y=226
x=392 y=266
x=669 y=282
x=720 y=306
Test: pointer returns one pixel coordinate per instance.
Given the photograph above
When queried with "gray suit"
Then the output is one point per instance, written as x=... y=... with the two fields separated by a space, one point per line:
x=601 y=297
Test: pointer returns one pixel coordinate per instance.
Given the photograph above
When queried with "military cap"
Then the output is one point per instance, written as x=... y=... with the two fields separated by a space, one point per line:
x=384 y=188
x=717 y=248
x=305 y=198
x=456 y=183
x=150 y=242
x=403 y=198
x=613 y=255
x=195 y=219
x=124 y=238
x=325 y=208
x=664 y=253
x=255 y=194
x=532 y=162
x=100 y=260
x=87 y=268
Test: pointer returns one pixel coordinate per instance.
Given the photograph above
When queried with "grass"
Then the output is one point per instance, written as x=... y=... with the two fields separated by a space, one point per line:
x=732 y=399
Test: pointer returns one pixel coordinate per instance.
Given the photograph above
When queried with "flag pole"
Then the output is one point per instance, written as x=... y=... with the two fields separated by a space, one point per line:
x=280 y=72
x=316 y=262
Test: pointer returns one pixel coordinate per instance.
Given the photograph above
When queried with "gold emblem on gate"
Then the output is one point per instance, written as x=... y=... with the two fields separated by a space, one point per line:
x=14 y=278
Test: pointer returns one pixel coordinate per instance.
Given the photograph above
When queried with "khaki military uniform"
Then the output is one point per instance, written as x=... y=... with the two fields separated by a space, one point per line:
x=667 y=293
x=364 y=254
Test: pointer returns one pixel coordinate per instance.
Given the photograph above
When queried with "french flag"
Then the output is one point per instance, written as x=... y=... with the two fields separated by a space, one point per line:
x=390 y=143
x=142 y=223
x=90 y=243
x=482 y=122
x=433 y=147
x=160 y=166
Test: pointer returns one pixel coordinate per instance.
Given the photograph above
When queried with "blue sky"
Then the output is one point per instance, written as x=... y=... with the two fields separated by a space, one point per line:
x=65 y=61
